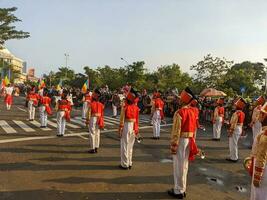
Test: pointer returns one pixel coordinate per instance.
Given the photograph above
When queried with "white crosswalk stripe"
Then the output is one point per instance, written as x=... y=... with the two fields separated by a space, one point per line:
x=7 y=128
x=77 y=122
x=52 y=123
x=68 y=124
x=105 y=121
x=37 y=124
x=24 y=126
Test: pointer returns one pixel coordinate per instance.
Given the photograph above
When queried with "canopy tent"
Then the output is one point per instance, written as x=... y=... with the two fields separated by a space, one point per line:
x=211 y=92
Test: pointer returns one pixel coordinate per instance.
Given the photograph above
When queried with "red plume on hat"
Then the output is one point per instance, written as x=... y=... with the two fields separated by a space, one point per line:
x=187 y=96
x=260 y=100
x=240 y=103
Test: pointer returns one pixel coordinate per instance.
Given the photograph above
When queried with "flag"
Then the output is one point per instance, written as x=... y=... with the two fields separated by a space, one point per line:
x=59 y=85
x=85 y=86
x=41 y=84
x=6 y=81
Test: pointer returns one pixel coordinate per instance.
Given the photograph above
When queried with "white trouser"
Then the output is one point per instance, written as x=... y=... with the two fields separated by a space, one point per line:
x=127 y=143
x=61 y=122
x=233 y=142
x=256 y=129
x=260 y=193
x=156 y=119
x=8 y=106
x=180 y=166
x=31 y=110
x=43 y=116
x=85 y=109
x=94 y=133
x=217 y=127
x=114 y=110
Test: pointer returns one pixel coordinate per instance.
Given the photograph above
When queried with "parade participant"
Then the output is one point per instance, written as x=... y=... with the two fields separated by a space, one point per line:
x=218 y=118
x=87 y=98
x=44 y=108
x=183 y=146
x=255 y=122
x=259 y=161
x=115 y=100
x=236 y=129
x=63 y=108
x=8 y=98
x=128 y=129
x=96 y=121
x=158 y=115
x=32 y=99
x=194 y=107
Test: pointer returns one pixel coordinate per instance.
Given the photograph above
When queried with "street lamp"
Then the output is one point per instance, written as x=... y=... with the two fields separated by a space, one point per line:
x=125 y=61
x=66 y=57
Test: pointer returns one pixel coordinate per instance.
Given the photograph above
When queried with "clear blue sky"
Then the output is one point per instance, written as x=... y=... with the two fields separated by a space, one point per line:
x=99 y=32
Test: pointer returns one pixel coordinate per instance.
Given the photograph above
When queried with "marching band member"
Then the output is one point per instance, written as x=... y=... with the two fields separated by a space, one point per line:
x=128 y=130
x=87 y=98
x=63 y=108
x=32 y=99
x=183 y=146
x=44 y=108
x=194 y=107
x=157 y=116
x=115 y=100
x=8 y=98
x=255 y=122
x=218 y=119
x=236 y=129
x=259 y=161
x=96 y=121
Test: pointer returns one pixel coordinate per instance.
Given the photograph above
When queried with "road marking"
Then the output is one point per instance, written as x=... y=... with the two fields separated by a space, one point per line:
x=85 y=138
x=68 y=135
x=22 y=109
x=6 y=127
x=24 y=126
x=68 y=124
x=52 y=123
x=37 y=124
x=77 y=122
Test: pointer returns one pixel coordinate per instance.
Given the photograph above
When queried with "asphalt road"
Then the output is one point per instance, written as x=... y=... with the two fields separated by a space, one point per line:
x=35 y=164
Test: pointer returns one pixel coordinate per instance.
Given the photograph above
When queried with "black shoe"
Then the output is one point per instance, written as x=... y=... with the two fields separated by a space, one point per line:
x=124 y=168
x=31 y=120
x=83 y=118
x=230 y=160
x=95 y=150
x=158 y=138
x=59 y=135
x=184 y=195
x=178 y=196
x=130 y=167
x=42 y=126
x=92 y=151
x=114 y=116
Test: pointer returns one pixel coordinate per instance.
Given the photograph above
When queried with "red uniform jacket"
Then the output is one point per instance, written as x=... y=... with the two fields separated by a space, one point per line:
x=32 y=96
x=241 y=116
x=196 y=111
x=159 y=104
x=46 y=101
x=64 y=105
x=132 y=114
x=188 y=128
x=97 y=109
x=87 y=98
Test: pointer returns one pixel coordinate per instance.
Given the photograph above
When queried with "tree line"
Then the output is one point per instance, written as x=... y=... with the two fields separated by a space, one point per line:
x=212 y=72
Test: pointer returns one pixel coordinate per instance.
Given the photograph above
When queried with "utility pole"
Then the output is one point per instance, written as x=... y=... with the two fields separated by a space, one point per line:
x=66 y=57
x=125 y=61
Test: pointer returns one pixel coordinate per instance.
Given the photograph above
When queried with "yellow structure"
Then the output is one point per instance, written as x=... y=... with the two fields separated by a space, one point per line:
x=11 y=66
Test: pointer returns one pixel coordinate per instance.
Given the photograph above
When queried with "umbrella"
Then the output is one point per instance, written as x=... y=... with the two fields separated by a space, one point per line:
x=211 y=92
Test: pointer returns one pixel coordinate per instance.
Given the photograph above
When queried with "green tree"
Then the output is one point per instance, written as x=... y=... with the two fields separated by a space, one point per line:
x=7 y=29
x=135 y=74
x=94 y=77
x=66 y=74
x=211 y=71
x=171 y=76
